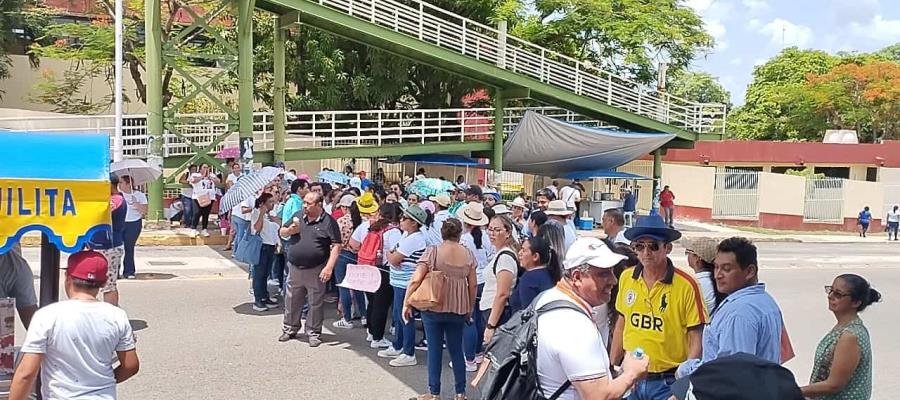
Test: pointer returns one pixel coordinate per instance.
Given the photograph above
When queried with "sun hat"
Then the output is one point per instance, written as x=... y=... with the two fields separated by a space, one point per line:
x=501 y=209
x=473 y=214
x=416 y=213
x=558 y=207
x=427 y=205
x=518 y=202
x=443 y=199
x=89 y=266
x=703 y=247
x=654 y=227
x=591 y=251
x=367 y=204
x=347 y=200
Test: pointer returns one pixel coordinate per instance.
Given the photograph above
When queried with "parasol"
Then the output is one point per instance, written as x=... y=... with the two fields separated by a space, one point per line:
x=139 y=171
x=332 y=177
x=229 y=152
x=429 y=187
x=246 y=186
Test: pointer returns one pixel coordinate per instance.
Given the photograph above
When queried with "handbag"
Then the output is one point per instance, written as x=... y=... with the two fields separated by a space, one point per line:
x=203 y=200
x=430 y=294
x=249 y=248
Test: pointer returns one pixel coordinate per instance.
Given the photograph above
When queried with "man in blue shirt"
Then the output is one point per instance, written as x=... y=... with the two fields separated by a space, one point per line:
x=748 y=320
x=629 y=204
x=864 y=218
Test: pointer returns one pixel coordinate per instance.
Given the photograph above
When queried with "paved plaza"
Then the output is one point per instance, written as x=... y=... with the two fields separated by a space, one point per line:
x=199 y=339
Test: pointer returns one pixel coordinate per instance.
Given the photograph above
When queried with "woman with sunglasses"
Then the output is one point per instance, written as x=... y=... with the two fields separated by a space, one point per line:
x=500 y=275
x=843 y=365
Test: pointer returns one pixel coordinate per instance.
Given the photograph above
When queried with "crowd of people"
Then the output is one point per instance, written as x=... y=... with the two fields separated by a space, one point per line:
x=494 y=259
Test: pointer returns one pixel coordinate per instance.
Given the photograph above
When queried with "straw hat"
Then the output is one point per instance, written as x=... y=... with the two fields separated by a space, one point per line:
x=558 y=207
x=472 y=214
x=518 y=202
x=501 y=209
x=366 y=203
x=443 y=199
x=703 y=247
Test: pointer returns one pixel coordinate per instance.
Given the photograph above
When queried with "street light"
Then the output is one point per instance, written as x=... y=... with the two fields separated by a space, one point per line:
x=118 y=149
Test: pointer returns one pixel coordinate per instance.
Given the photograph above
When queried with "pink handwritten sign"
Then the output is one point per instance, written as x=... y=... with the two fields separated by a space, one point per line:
x=364 y=278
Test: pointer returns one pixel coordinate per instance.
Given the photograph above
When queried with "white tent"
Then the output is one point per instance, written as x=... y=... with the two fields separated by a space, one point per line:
x=545 y=146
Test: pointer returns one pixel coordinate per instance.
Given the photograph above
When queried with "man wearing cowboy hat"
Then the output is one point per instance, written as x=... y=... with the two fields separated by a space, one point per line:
x=558 y=212
x=518 y=208
x=661 y=307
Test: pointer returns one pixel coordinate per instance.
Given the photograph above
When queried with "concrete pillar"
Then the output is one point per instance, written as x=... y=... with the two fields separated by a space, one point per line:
x=499 y=113
x=280 y=91
x=153 y=79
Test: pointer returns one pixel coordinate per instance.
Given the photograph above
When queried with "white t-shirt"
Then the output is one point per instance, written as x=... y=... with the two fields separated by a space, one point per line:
x=237 y=212
x=78 y=339
x=361 y=231
x=893 y=216
x=505 y=262
x=412 y=246
x=569 y=348
x=704 y=278
x=481 y=255
x=231 y=179
x=570 y=196
x=204 y=185
x=133 y=199
x=269 y=232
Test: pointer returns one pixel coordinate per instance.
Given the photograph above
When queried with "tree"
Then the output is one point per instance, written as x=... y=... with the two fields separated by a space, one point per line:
x=629 y=37
x=699 y=86
x=770 y=101
x=10 y=17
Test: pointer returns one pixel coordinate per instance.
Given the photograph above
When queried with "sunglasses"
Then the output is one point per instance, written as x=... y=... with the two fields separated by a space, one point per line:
x=829 y=290
x=640 y=246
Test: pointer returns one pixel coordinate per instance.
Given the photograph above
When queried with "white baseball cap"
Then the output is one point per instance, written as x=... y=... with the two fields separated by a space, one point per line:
x=591 y=251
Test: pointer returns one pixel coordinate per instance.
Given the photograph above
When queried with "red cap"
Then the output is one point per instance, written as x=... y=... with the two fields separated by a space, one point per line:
x=88 y=265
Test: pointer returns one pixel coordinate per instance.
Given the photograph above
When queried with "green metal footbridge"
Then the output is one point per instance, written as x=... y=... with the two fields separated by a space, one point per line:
x=412 y=29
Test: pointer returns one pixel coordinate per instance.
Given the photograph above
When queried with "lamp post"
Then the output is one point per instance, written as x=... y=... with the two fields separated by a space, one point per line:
x=118 y=150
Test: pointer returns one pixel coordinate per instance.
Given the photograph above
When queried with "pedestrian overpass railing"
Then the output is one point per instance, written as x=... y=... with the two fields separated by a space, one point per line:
x=305 y=129
x=736 y=194
x=451 y=31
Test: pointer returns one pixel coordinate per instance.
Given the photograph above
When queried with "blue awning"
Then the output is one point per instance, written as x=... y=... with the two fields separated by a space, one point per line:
x=603 y=173
x=443 y=159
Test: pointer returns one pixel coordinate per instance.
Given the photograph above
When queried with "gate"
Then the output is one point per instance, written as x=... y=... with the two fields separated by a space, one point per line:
x=824 y=200
x=736 y=194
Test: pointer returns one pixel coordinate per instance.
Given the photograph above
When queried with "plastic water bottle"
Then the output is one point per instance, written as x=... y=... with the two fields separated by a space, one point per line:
x=639 y=354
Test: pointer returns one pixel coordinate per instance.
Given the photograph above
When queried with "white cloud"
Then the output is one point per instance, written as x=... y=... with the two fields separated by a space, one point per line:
x=785 y=33
x=759 y=61
x=756 y=6
x=878 y=29
x=698 y=5
x=857 y=11
x=736 y=61
x=753 y=23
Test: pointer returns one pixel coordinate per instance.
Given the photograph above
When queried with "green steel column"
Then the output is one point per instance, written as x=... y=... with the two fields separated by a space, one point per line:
x=657 y=180
x=279 y=91
x=499 y=113
x=245 y=80
x=153 y=79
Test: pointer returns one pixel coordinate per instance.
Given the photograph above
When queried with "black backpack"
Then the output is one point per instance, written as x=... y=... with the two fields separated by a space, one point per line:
x=512 y=353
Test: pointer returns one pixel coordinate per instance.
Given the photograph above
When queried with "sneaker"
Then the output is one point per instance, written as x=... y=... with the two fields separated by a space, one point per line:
x=342 y=324
x=390 y=352
x=314 y=341
x=403 y=360
x=470 y=366
x=364 y=321
x=270 y=302
x=260 y=307
x=381 y=344
x=422 y=346
x=286 y=336
x=479 y=358
x=130 y=277
x=272 y=282
x=205 y=233
x=194 y=233
x=369 y=337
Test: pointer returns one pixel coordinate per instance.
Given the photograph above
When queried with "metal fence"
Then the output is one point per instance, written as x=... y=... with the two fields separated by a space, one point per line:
x=736 y=194
x=824 y=200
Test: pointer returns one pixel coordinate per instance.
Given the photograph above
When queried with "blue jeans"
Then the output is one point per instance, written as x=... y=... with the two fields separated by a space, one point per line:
x=405 y=339
x=340 y=271
x=240 y=230
x=132 y=233
x=446 y=328
x=261 y=273
x=187 y=215
x=474 y=332
x=656 y=389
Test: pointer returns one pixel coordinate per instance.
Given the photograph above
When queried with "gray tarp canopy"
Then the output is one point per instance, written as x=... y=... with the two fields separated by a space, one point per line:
x=542 y=145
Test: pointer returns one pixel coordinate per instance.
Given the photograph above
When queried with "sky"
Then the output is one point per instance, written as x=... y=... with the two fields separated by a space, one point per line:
x=749 y=32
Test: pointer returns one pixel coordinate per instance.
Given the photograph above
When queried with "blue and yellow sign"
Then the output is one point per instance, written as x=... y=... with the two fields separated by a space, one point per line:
x=54 y=183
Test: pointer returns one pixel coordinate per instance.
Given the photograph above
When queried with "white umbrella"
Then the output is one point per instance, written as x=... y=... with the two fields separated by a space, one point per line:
x=248 y=185
x=139 y=171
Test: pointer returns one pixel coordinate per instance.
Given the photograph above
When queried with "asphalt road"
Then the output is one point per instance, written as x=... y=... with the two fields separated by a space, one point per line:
x=199 y=339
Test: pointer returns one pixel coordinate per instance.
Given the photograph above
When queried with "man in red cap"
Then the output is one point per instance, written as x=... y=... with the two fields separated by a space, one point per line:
x=70 y=342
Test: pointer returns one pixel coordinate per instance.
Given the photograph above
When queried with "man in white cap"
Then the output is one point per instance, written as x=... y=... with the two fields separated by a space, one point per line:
x=572 y=359
x=558 y=212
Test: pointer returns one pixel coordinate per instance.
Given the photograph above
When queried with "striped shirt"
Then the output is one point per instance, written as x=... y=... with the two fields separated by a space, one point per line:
x=412 y=246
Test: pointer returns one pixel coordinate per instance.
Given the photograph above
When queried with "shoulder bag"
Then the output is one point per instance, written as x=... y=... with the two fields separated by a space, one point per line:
x=430 y=294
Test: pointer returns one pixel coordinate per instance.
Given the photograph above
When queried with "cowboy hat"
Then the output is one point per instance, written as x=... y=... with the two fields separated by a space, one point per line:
x=518 y=202
x=443 y=199
x=416 y=213
x=558 y=207
x=367 y=204
x=472 y=214
x=501 y=209
x=651 y=226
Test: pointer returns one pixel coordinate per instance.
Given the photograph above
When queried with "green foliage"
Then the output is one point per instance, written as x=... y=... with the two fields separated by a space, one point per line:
x=65 y=94
x=699 y=86
x=629 y=37
x=808 y=173
x=10 y=18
